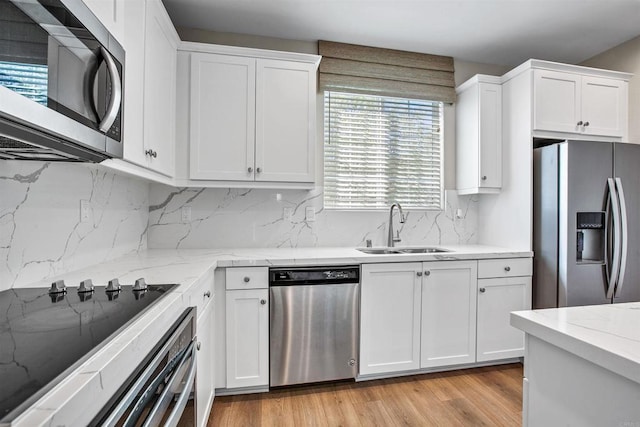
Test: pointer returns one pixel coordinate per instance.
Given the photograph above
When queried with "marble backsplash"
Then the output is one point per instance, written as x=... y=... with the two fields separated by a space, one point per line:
x=41 y=233
x=232 y=218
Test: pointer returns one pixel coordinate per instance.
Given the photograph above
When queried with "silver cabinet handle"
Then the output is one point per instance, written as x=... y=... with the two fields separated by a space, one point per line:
x=482 y=290
x=259 y=170
x=419 y=273
x=246 y=279
x=579 y=123
x=484 y=177
x=116 y=92
x=207 y=294
x=586 y=124
x=155 y=154
x=249 y=169
x=427 y=273
x=151 y=153
x=507 y=268
x=263 y=301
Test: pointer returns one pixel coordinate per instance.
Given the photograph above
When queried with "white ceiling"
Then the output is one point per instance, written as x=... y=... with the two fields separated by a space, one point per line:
x=505 y=32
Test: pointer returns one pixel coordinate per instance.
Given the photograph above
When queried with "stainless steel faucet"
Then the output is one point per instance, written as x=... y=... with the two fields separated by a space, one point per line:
x=391 y=240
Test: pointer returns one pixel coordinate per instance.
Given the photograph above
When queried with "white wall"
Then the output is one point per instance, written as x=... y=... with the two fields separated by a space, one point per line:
x=625 y=57
x=40 y=229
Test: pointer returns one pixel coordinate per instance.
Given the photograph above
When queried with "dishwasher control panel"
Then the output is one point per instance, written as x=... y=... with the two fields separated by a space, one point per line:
x=313 y=275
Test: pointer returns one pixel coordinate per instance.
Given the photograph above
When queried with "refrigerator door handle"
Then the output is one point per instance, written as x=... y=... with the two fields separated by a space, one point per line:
x=625 y=235
x=613 y=206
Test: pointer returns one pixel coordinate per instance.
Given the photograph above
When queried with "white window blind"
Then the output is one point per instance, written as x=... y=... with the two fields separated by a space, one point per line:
x=379 y=150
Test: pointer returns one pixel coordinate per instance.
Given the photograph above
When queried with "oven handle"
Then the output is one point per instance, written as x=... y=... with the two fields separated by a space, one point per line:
x=161 y=405
x=178 y=409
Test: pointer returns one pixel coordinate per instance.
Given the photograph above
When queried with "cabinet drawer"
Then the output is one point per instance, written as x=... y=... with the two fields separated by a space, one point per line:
x=247 y=278
x=506 y=267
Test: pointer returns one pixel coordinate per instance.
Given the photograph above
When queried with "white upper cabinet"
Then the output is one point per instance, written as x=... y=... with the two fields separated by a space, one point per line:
x=112 y=15
x=222 y=117
x=151 y=44
x=251 y=115
x=576 y=103
x=479 y=136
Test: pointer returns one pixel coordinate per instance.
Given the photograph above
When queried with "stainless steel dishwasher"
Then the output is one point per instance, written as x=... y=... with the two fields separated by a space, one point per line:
x=314 y=315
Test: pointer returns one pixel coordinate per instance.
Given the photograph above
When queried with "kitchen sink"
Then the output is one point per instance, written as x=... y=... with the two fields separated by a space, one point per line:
x=378 y=251
x=387 y=251
x=429 y=250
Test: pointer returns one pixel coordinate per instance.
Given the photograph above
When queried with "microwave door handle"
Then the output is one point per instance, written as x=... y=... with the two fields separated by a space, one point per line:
x=181 y=402
x=116 y=92
x=624 y=234
x=162 y=403
x=615 y=263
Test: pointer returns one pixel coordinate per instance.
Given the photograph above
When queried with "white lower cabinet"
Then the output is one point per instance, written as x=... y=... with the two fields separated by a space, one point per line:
x=247 y=315
x=205 y=378
x=448 y=313
x=390 y=318
x=497 y=297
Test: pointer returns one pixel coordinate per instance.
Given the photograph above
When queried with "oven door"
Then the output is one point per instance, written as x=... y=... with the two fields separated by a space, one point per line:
x=158 y=393
x=54 y=53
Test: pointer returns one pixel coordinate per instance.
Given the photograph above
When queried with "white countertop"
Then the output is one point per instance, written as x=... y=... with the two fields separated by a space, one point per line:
x=94 y=381
x=607 y=335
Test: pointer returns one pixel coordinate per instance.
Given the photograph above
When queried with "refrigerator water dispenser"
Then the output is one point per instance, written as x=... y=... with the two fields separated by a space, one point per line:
x=590 y=237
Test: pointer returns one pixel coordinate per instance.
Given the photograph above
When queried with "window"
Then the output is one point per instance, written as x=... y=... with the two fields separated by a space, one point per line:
x=379 y=150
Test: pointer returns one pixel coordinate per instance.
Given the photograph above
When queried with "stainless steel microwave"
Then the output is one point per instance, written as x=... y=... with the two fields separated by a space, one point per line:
x=61 y=83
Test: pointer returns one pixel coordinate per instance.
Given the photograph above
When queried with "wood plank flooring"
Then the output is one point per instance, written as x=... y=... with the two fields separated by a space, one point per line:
x=489 y=396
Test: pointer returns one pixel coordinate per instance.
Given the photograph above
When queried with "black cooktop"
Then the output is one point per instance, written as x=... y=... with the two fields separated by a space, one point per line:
x=44 y=335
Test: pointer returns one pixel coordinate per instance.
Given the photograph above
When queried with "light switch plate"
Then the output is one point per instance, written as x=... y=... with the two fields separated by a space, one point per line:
x=310 y=214
x=85 y=211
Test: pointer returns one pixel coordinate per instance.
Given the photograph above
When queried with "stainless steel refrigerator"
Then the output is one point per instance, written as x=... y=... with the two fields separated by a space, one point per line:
x=586 y=231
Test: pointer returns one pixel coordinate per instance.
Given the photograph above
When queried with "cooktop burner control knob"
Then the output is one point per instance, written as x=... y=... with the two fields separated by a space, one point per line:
x=140 y=285
x=113 y=286
x=86 y=286
x=58 y=287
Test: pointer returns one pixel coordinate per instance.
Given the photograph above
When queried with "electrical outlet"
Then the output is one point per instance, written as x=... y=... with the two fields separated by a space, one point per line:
x=186 y=213
x=85 y=211
x=310 y=214
x=287 y=214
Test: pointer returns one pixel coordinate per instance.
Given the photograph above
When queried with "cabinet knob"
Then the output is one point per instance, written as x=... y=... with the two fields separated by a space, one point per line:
x=419 y=273
x=249 y=169
x=263 y=301
x=579 y=123
x=258 y=170
x=484 y=177
x=148 y=152
x=198 y=345
x=507 y=268
x=246 y=279
x=427 y=273
x=207 y=294
x=482 y=290
x=586 y=124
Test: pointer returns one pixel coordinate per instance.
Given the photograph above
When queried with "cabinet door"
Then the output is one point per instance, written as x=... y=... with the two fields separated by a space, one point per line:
x=490 y=167
x=448 y=313
x=604 y=106
x=285 y=117
x=222 y=128
x=390 y=318
x=496 y=338
x=247 y=338
x=160 y=88
x=556 y=99
x=205 y=379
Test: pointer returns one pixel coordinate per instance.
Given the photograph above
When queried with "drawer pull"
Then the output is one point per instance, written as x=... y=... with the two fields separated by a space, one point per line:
x=207 y=294
x=419 y=273
x=507 y=268
x=427 y=273
x=482 y=290
x=263 y=301
x=246 y=279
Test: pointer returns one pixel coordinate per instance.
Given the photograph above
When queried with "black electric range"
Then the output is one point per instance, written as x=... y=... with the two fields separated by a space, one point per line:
x=46 y=333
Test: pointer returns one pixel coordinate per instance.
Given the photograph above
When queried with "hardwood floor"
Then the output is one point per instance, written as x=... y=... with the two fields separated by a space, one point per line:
x=490 y=396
